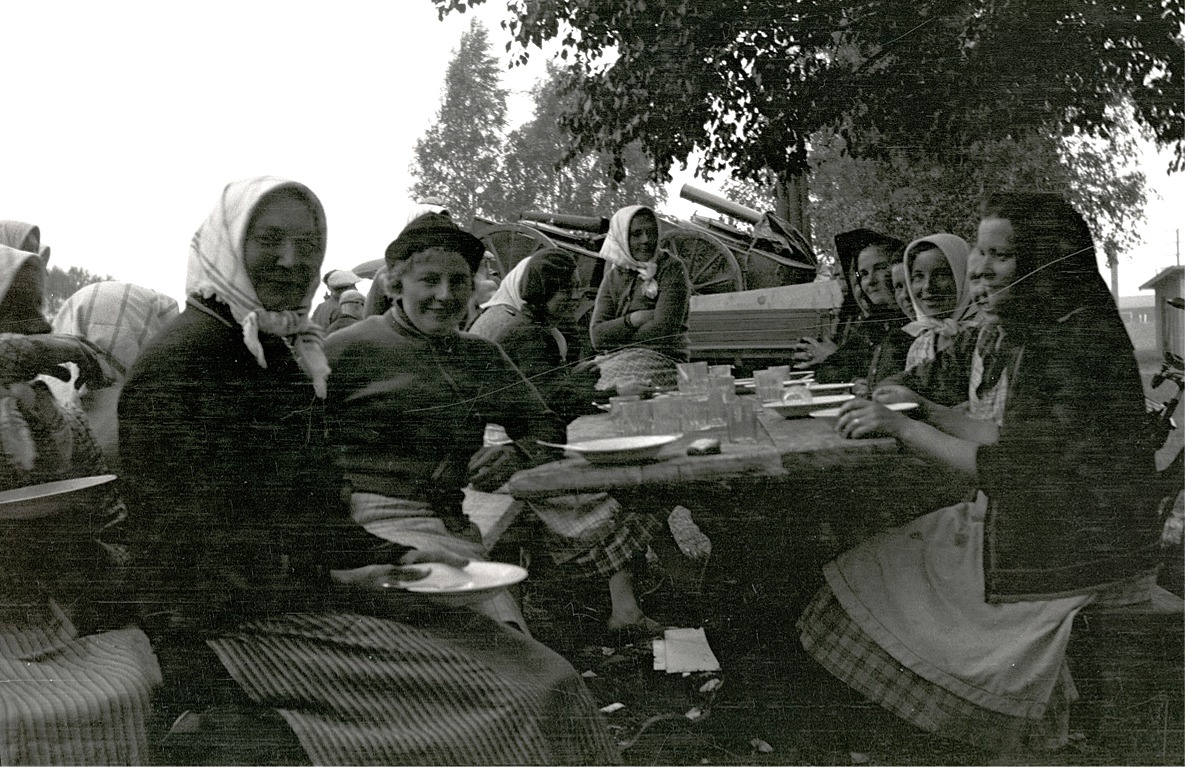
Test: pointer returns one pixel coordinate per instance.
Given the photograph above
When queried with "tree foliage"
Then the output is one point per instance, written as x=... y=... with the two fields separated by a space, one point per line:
x=539 y=174
x=459 y=157
x=907 y=194
x=746 y=83
x=60 y=284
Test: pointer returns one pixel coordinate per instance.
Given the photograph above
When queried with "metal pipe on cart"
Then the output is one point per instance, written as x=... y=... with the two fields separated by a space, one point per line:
x=719 y=204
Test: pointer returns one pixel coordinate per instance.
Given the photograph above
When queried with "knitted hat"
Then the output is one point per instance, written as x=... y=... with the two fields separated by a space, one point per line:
x=434 y=230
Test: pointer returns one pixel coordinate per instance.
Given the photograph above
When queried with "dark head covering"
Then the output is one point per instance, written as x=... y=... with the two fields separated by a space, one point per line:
x=549 y=271
x=22 y=280
x=847 y=248
x=434 y=230
x=1056 y=265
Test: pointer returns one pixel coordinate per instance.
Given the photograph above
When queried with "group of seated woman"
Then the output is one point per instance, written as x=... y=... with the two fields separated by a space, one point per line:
x=958 y=621
x=278 y=481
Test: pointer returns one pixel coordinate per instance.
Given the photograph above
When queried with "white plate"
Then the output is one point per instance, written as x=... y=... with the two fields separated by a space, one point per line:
x=803 y=409
x=834 y=388
x=833 y=412
x=47 y=499
x=614 y=450
x=474 y=578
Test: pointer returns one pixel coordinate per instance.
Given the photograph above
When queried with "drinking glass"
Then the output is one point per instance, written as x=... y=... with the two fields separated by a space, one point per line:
x=693 y=376
x=620 y=412
x=633 y=416
x=667 y=415
x=742 y=421
x=769 y=385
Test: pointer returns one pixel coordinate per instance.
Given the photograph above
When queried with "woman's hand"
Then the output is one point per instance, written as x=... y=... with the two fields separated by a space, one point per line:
x=640 y=317
x=27 y=356
x=811 y=351
x=887 y=394
x=860 y=418
x=860 y=387
x=383 y=576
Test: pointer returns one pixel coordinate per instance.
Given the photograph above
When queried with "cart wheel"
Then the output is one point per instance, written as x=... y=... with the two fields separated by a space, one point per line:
x=710 y=264
x=511 y=243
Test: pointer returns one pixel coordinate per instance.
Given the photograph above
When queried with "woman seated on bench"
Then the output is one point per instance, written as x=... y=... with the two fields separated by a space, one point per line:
x=590 y=534
x=75 y=678
x=639 y=321
x=265 y=601
x=958 y=621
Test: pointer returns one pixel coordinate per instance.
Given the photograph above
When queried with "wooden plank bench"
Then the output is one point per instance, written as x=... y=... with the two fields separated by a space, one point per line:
x=1129 y=666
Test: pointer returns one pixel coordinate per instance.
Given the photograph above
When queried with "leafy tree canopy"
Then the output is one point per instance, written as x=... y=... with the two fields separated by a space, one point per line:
x=459 y=157
x=747 y=82
x=909 y=194
x=540 y=175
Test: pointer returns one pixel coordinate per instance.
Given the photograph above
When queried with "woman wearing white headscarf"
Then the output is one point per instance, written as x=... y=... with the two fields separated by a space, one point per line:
x=639 y=321
x=936 y=275
x=261 y=595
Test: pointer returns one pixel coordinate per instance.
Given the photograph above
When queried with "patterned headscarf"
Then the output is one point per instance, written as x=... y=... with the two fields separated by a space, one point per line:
x=616 y=248
x=217 y=270
x=118 y=317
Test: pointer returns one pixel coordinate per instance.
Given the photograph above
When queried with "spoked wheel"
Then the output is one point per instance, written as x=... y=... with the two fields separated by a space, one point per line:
x=710 y=264
x=511 y=243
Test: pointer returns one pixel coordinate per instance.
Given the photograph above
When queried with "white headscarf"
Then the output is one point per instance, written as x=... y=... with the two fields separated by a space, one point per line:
x=217 y=270
x=508 y=292
x=956 y=250
x=616 y=248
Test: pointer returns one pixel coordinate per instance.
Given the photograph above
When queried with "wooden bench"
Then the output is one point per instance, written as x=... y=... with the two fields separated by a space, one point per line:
x=1129 y=666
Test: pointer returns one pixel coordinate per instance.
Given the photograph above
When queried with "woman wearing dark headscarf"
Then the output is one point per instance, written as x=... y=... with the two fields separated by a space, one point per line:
x=958 y=621
x=262 y=596
x=876 y=346
x=639 y=320
x=77 y=682
x=589 y=533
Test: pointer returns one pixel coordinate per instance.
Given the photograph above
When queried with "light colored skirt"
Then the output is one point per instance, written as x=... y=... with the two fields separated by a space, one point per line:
x=904 y=621
x=412 y=523
x=66 y=699
x=457 y=688
x=636 y=365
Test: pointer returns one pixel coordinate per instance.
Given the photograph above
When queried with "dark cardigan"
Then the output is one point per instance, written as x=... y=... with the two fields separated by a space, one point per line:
x=533 y=348
x=408 y=412
x=621 y=293
x=237 y=508
x=1069 y=483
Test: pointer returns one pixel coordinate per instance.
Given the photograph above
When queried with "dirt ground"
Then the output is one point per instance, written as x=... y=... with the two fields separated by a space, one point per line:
x=770 y=704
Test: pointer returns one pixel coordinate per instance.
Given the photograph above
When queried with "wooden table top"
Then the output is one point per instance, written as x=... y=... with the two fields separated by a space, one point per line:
x=787 y=447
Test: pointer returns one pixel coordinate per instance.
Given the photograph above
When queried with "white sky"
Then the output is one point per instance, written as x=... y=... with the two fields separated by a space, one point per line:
x=126 y=119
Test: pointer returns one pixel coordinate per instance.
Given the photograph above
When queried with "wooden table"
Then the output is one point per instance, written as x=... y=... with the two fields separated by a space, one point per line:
x=787 y=448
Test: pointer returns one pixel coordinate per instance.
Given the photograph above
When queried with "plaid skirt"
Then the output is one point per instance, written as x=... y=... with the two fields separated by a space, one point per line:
x=903 y=620
x=636 y=365
x=457 y=688
x=590 y=535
